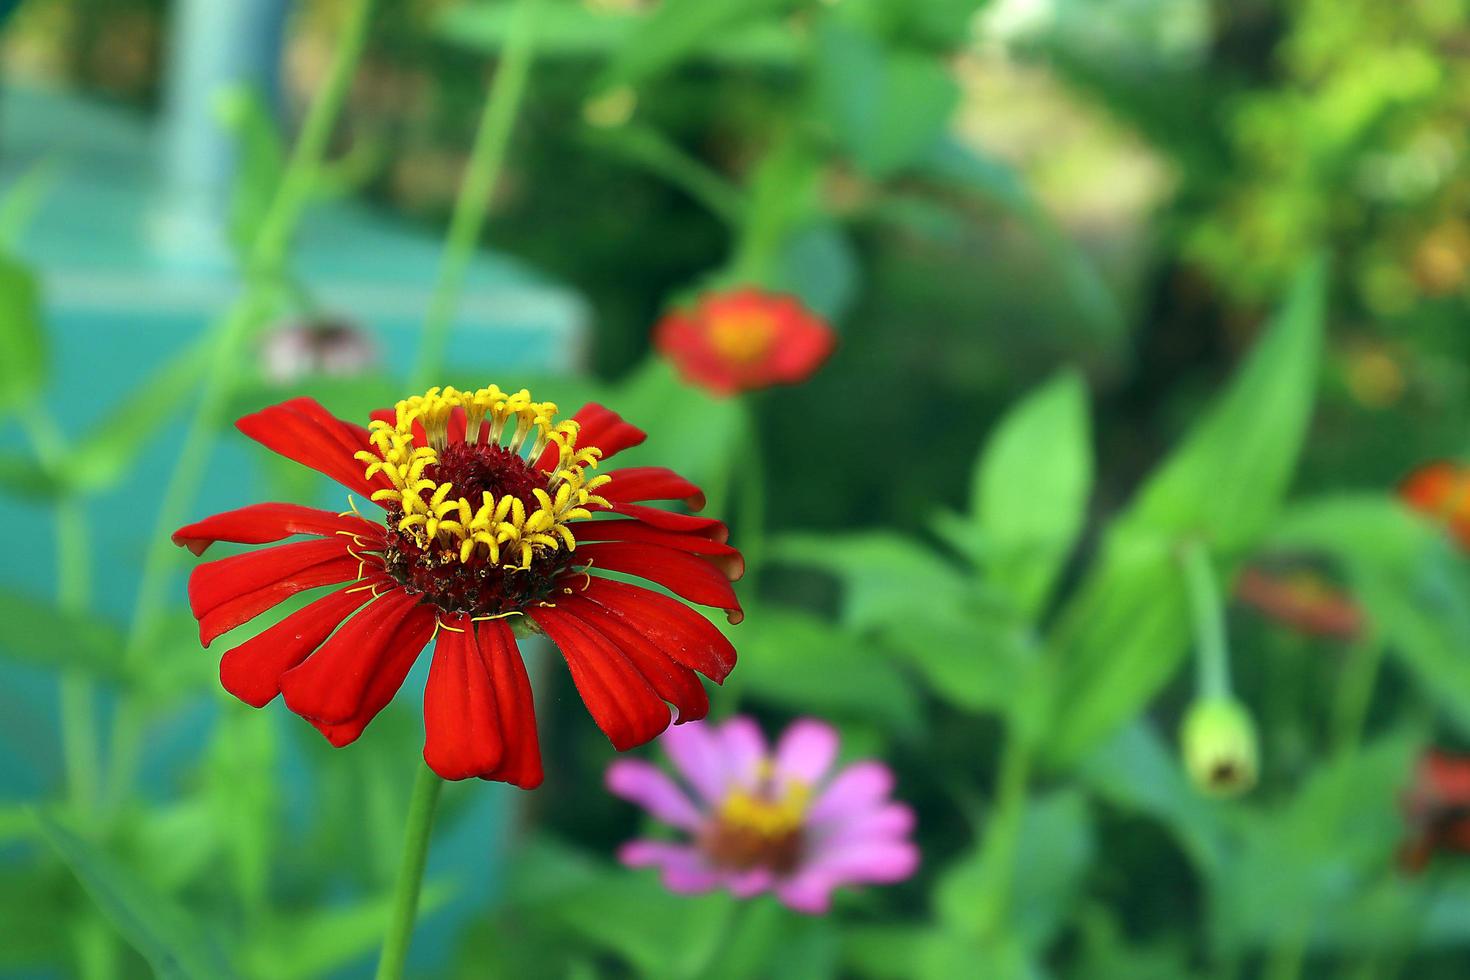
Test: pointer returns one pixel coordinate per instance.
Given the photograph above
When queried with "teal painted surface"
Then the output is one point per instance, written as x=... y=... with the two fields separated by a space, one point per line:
x=124 y=292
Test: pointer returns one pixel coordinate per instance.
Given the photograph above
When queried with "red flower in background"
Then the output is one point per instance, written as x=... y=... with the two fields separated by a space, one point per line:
x=1437 y=808
x=491 y=512
x=1301 y=599
x=1442 y=490
x=743 y=340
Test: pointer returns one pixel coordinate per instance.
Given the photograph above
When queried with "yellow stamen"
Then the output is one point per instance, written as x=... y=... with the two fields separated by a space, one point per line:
x=503 y=530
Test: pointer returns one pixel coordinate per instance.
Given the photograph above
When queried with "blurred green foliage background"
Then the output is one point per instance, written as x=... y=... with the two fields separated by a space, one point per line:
x=1112 y=279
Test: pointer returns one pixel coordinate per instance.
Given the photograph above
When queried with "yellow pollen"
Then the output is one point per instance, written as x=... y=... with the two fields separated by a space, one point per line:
x=743 y=335
x=766 y=814
x=503 y=530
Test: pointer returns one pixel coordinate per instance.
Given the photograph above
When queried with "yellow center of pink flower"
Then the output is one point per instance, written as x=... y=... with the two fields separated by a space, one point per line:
x=759 y=827
x=742 y=336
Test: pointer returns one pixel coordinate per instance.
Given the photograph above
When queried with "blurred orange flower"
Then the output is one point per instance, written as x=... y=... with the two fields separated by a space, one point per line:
x=1302 y=600
x=1442 y=490
x=1437 y=808
x=744 y=339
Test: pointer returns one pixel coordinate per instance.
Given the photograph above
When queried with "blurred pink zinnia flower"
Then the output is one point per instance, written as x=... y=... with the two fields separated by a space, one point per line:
x=759 y=821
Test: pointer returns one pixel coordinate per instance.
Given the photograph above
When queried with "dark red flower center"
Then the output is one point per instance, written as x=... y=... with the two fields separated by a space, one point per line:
x=479 y=586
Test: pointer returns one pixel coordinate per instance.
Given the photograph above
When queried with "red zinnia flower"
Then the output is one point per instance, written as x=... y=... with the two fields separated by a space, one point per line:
x=744 y=339
x=490 y=509
x=1437 y=808
x=1441 y=490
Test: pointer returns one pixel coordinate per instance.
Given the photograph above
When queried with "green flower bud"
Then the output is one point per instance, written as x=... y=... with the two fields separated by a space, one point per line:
x=1219 y=743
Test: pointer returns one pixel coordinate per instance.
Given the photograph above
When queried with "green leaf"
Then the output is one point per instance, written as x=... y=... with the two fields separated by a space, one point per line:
x=22 y=334
x=157 y=928
x=806 y=664
x=1403 y=569
x=1225 y=482
x=975 y=662
x=1054 y=850
x=1124 y=633
x=40 y=633
x=888 y=108
x=885 y=576
x=575 y=30
x=702 y=431
x=676 y=30
x=1030 y=490
x=626 y=912
x=320 y=942
x=1137 y=770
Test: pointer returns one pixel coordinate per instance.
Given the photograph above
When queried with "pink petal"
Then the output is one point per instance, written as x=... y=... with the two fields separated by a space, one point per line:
x=645 y=784
x=695 y=751
x=744 y=749
x=893 y=820
x=748 y=884
x=861 y=786
x=871 y=861
x=683 y=868
x=806 y=751
x=809 y=893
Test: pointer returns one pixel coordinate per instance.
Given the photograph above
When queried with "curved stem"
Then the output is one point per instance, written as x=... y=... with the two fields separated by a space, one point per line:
x=1003 y=835
x=1211 y=650
x=227 y=337
x=421 y=808
x=482 y=172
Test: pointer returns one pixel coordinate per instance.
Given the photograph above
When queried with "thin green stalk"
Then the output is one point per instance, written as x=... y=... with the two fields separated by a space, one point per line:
x=751 y=483
x=1212 y=652
x=482 y=172
x=1349 y=712
x=80 y=748
x=421 y=808
x=228 y=335
x=1003 y=835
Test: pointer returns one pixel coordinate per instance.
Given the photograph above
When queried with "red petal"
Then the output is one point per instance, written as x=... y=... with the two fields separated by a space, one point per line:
x=600 y=427
x=252 y=671
x=303 y=431
x=636 y=483
x=683 y=574
x=225 y=593
x=263 y=523
x=401 y=650
x=665 y=520
x=333 y=684
x=461 y=726
x=627 y=710
x=726 y=558
x=520 y=762
x=672 y=681
x=670 y=625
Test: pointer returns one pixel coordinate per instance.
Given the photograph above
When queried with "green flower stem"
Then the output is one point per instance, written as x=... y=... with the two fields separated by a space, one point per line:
x=227 y=336
x=751 y=499
x=421 y=808
x=1349 y=712
x=80 y=748
x=497 y=119
x=1211 y=650
x=1003 y=835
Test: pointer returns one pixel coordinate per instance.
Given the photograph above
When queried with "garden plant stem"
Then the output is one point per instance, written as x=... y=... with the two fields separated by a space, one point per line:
x=421 y=808
x=482 y=172
x=1349 y=712
x=1003 y=835
x=227 y=337
x=1211 y=651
